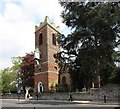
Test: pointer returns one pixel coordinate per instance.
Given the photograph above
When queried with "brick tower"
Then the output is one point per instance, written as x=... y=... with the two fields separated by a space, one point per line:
x=46 y=42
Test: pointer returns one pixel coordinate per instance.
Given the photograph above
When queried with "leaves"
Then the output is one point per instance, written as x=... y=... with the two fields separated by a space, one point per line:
x=27 y=70
x=23 y=68
x=90 y=46
x=6 y=79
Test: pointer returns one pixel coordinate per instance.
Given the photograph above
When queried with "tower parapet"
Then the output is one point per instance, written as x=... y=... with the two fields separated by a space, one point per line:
x=47 y=21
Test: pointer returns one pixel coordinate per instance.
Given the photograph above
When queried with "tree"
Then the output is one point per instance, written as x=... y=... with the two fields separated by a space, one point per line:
x=89 y=48
x=17 y=63
x=116 y=76
x=21 y=73
x=16 y=70
x=27 y=70
x=7 y=78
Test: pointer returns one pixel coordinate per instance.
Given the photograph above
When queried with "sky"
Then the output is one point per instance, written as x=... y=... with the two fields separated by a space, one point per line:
x=17 y=26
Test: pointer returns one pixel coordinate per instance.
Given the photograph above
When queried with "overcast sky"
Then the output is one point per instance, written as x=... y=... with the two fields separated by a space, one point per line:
x=17 y=25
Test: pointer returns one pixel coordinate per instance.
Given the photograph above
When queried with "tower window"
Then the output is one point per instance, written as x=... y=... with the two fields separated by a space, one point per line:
x=40 y=56
x=40 y=39
x=55 y=69
x=53 y=39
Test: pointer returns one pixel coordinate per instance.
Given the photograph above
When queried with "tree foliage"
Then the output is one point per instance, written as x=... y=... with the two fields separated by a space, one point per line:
x=27 y=70
x=21 y=73
x=7 y=79
x=116 y=76
x=89 y=48
x=17 y=62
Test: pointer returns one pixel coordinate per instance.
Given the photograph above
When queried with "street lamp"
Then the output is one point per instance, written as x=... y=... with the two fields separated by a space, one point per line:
x=18 y=85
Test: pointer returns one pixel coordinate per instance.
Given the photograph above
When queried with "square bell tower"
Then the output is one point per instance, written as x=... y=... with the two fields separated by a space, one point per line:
x=46 y=35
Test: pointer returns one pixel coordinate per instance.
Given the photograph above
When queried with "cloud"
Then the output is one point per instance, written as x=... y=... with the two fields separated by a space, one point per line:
x=18 y=19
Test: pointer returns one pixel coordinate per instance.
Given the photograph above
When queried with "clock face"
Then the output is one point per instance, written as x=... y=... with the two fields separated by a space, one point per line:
x=37 y=54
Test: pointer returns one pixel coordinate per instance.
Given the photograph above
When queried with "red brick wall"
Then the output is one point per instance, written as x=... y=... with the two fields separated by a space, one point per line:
x=52 y=80
x=52 y=49
x=48 y=76
x=43 y=47
x=42 y=77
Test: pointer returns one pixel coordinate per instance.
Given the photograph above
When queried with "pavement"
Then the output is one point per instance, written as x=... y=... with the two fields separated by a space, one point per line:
x=59 y=103
x=54 y=104
x=72 y=102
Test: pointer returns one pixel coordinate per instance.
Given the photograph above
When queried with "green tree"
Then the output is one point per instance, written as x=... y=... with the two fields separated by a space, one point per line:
x=17 y=63
x=7 y=80
x=16 y=71
x=21 y=73
x=116 y=76
x=89 y=48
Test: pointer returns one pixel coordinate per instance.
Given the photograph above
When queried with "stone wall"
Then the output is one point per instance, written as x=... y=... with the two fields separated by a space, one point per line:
x=96 y=94
x=111 y=91
x=65 y=96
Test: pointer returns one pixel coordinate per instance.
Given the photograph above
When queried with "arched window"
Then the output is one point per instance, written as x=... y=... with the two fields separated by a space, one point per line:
x=55 y=68
x=40 y=39
x=53 y=39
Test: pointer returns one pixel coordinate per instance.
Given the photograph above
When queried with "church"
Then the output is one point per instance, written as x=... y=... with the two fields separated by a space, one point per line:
x=46 y=70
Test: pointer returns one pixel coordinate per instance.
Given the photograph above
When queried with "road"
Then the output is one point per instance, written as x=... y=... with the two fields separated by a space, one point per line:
x=53 y=104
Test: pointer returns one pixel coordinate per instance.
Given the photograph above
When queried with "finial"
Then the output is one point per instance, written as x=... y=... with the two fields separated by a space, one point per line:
x=46 y=19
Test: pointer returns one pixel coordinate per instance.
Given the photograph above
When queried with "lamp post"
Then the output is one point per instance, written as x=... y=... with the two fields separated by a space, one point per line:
x=18 y=85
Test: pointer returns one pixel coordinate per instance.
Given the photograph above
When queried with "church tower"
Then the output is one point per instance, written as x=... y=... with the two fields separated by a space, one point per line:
x=46 y=73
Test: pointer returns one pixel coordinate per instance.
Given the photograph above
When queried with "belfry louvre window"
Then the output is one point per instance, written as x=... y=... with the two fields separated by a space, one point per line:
x=55 y=69
x=40 y=39
x=53 y=39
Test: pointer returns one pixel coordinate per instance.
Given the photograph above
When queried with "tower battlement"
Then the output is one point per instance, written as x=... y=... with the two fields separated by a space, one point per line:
x=47 y=21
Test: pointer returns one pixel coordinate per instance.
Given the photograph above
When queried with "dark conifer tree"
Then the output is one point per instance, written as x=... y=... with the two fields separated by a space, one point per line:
x=89 y=49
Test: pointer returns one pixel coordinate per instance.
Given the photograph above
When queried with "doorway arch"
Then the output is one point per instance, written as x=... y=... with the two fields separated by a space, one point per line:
x=40 y=87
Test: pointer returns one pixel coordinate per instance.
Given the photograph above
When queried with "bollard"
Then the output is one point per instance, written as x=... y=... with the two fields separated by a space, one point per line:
x=37 y=95
x=18 y=96
x=104 y=98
